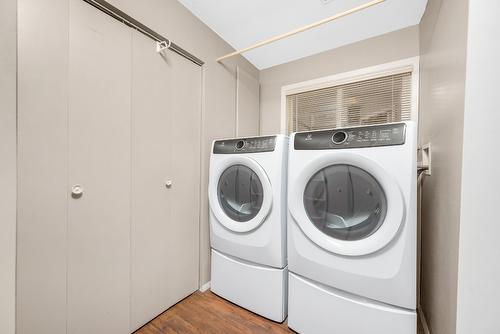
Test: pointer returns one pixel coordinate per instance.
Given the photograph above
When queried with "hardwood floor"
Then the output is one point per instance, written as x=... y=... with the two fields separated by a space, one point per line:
x=207 y=313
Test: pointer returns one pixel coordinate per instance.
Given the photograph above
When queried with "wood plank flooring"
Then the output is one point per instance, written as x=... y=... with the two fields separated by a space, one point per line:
x=207 y=313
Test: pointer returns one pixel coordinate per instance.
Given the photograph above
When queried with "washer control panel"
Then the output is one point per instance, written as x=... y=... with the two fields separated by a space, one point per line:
x=245 y=145
x=357 y=137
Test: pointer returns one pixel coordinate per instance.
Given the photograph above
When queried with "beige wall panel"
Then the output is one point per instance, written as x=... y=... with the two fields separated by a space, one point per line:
x=99 y=160
x=443 y=32
x=8 y=88
x=374 y=51
x=43 y=191
x=247 y=104
x=218 y=121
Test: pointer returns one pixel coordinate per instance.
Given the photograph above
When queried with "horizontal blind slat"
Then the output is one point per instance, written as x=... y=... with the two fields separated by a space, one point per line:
x=373 y=101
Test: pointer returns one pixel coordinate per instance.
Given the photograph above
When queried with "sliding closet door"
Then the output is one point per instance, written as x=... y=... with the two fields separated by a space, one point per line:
x=165 y=138
x=185 y=131
x=151 y=199
x=99 y=162
x=109 y=173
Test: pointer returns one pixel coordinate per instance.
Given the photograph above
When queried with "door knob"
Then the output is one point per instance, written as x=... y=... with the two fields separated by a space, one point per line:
x=76 y=191
x=168 y=183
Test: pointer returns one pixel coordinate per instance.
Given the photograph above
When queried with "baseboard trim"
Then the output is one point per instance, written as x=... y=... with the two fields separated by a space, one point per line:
x=423 y=320
x=206 y=287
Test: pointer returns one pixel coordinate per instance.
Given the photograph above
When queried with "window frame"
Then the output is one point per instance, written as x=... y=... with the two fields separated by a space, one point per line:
x=372 y=72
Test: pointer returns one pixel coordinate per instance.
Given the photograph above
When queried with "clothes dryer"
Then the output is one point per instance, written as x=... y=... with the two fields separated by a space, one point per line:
x=247 y=197
x=352 y=230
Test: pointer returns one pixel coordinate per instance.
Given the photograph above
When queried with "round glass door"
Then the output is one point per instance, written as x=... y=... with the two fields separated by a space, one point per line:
x=240 y=193
x=345 y=202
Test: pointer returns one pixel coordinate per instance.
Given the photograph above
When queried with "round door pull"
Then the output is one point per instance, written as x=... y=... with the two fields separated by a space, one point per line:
x=168 y=183
x=76 y=191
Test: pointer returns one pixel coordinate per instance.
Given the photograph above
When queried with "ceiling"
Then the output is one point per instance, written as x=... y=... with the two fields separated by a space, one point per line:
x=243 y=23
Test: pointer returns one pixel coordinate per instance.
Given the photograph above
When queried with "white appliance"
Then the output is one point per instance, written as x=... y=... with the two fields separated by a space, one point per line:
x=352 y=230
x=247 y=196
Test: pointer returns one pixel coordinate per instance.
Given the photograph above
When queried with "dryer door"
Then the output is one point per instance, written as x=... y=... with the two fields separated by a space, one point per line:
x=347 y=204
x=240 y=195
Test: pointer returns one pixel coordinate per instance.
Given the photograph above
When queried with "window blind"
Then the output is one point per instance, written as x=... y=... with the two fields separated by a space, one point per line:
x=374 y=101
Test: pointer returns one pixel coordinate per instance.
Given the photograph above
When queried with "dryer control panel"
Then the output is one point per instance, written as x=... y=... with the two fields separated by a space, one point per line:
x=245 y=145
x=357 y=137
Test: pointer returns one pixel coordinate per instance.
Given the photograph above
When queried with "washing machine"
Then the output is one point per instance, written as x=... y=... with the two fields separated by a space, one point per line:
x=247 y=197
x=352 y=230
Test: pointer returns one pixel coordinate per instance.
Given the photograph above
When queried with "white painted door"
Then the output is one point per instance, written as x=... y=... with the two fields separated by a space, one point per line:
x=100 y=109
x=166 y=100
x=99 y=161
x=151 y=168
x=185 y=130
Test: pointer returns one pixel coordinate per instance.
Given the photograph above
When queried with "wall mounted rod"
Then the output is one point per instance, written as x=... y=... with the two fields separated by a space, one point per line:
x=117 y=14
x=302 y=29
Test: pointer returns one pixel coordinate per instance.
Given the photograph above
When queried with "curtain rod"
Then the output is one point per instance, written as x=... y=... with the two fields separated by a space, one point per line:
x=117 y=14
x=302 y=29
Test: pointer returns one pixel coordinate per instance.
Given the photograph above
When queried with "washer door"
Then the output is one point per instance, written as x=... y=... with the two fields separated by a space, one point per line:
x=347 y=204
x=240 y=194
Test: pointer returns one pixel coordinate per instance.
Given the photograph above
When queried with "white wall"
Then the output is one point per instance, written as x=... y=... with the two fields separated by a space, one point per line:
x=7 y=164
x=479 y=267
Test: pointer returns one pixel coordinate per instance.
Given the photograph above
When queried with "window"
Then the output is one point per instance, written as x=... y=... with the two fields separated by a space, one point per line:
x=357 y=98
